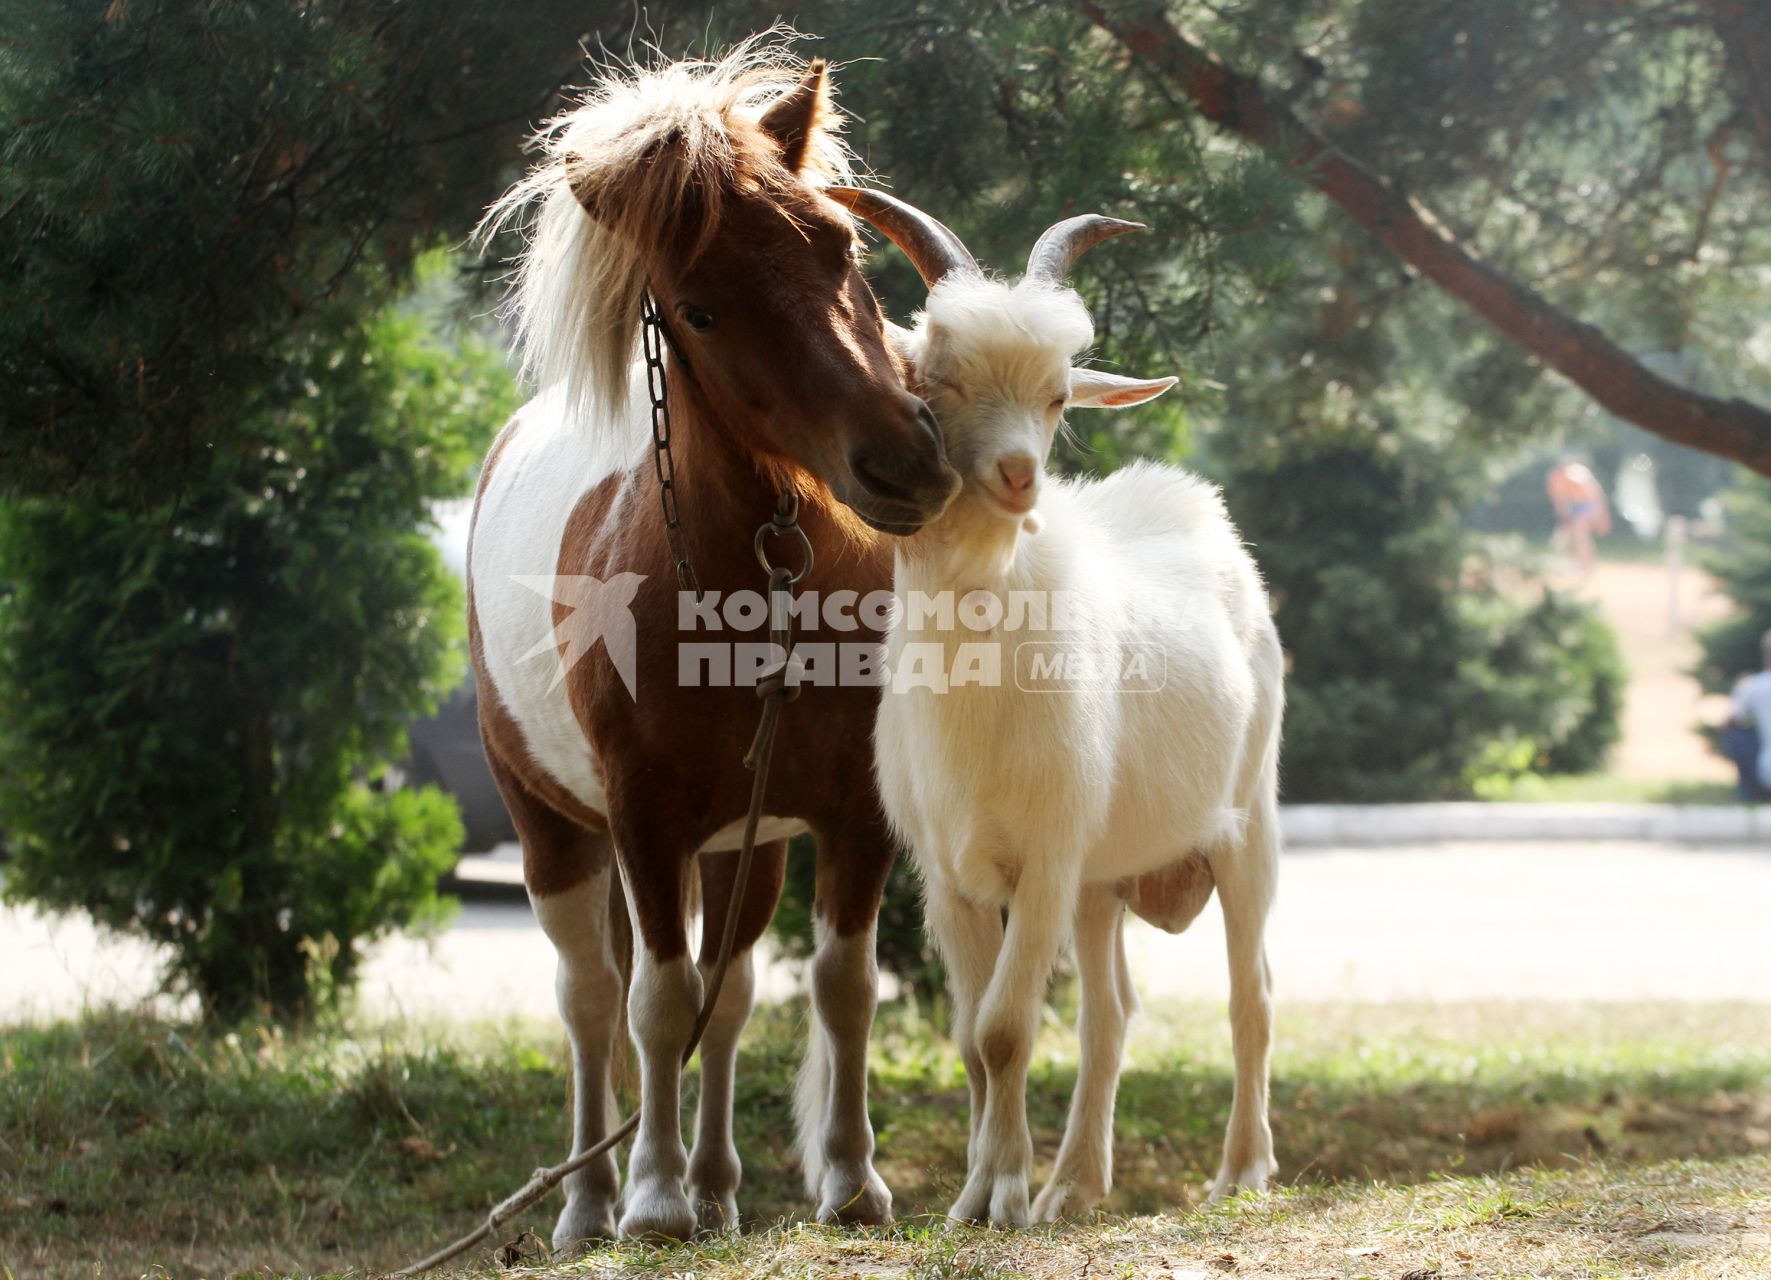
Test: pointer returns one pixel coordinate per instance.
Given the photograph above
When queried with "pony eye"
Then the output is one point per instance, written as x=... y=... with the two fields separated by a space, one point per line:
x=695 y=318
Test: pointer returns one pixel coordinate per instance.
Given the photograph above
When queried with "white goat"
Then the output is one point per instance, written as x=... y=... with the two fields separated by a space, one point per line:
x=1121 y=748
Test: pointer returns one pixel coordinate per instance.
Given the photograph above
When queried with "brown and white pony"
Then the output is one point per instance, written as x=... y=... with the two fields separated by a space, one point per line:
x=702 y=184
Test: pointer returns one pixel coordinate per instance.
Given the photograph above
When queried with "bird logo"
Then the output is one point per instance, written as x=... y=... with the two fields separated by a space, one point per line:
x=597 y=609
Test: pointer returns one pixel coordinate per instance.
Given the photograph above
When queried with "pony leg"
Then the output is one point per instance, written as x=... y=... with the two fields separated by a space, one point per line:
x=1083 y=1172
x=835 y=1135
x=1040 y=912
x=714 y=1168
x=968 y=935
x=662 y=1002
x=1246 y=878
x=573 y=891
x=587 y=985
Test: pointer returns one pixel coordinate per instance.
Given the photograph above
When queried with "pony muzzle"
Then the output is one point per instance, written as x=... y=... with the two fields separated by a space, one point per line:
x=900 y=485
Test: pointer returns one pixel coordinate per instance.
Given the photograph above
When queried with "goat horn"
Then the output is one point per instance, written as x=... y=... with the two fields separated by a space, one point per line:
x=1068 y=240
x=932 y=248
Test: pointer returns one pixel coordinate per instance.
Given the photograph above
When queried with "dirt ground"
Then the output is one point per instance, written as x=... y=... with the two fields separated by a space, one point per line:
x=1656 y=617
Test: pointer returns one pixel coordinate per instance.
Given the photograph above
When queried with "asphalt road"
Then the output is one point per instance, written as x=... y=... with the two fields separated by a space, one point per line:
x=1468 y=921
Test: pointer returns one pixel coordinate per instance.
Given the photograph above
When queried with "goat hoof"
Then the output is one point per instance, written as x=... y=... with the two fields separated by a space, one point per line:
x=1251 y=1175
x=997 y=1202
x=973 y=1205
x=1008 y=1202
x=1070 y=1197
x=857 y=1202
x=662 y=1213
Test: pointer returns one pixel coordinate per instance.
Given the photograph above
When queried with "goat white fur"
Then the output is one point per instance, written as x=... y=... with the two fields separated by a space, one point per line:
x=1065 y=803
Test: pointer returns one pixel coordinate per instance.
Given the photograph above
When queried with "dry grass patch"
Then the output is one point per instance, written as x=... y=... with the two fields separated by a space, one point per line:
x=1708 y=1221
x=1481 y=1140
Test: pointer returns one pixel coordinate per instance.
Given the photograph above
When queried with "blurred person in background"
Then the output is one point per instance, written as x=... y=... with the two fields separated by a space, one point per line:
x=1745 y=740
x=1582 y=513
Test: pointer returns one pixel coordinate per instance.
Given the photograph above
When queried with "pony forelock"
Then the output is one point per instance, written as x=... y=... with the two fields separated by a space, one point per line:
x=641 y=145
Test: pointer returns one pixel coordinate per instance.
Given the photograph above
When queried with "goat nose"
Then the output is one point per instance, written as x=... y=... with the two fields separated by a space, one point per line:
x=1018 y=471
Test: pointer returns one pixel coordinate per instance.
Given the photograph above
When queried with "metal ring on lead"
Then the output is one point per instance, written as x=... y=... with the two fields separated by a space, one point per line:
x=805 y=545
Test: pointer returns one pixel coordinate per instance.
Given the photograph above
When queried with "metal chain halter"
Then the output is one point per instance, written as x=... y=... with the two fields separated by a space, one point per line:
x=653 y=338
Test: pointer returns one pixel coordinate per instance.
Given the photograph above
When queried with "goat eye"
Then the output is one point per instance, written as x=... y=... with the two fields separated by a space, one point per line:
x=695 y=318
x=1057 y=406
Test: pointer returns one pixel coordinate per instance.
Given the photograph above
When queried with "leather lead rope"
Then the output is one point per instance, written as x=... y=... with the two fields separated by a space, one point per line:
x=777 y=685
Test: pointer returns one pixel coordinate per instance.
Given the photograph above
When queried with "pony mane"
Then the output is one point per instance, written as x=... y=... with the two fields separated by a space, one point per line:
x=640 y=145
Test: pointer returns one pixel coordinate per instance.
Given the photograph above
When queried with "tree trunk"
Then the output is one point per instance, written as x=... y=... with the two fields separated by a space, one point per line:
x=1618 y=382
x=1744 y=27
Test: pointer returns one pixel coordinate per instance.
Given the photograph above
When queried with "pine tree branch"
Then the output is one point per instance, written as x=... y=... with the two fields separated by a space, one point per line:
x=1617 y=381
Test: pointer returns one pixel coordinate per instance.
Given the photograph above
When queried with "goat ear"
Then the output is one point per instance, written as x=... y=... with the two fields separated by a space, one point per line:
x=794 y=119
x=1095 y=389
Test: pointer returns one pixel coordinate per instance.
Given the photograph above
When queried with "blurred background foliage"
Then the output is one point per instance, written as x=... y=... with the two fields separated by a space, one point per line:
x=230 y=400
x=1743 y=566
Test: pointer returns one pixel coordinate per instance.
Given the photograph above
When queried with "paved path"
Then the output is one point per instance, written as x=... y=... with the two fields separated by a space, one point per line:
x=1663 y=704
x=1514 y=921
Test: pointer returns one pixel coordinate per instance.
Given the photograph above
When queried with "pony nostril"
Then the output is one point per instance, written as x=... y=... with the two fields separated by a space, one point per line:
x=1018 y=471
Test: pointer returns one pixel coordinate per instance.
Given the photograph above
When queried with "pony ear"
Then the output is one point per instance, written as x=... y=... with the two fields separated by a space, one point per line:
x=795 y=117
x=1097 y=389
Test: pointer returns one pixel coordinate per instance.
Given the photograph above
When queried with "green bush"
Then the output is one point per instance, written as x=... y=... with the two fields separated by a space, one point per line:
x=194 y=697
x=1553 y=681
x=1742 y=564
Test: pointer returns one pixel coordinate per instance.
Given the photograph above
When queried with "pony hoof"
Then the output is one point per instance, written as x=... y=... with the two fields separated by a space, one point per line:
x=866 y=1203
x=583 y=1223
x=657 y=1213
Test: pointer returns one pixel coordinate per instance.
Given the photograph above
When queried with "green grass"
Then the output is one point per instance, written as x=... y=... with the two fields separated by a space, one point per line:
x=1606 y=788
x=1492 y=1141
